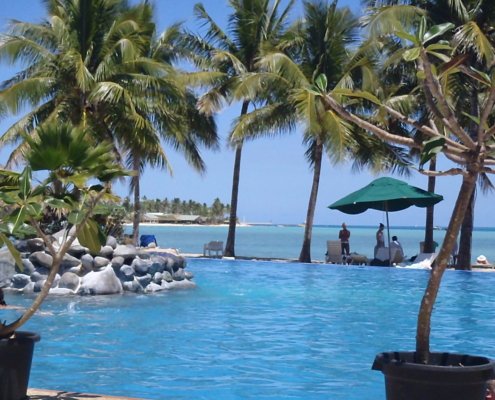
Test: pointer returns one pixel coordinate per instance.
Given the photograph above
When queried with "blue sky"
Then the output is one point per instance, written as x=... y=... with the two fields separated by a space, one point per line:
x=275 y=177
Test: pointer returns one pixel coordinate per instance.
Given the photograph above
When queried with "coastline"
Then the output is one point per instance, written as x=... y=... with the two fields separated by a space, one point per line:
x=151 y=224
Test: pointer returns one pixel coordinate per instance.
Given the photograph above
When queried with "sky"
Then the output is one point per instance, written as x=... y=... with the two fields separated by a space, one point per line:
x=275 y=179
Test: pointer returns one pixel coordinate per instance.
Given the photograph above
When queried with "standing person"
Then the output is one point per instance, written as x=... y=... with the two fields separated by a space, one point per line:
x=344 y=236
x=2 y=299
x=380 y=240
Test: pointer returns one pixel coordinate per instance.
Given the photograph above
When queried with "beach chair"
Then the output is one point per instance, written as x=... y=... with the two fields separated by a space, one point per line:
x=215 y=247
x=396 y=255
x=334 y=252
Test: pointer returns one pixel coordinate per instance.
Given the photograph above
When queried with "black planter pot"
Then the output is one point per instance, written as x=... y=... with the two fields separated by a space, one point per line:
x=446 y=377
x=16 y=355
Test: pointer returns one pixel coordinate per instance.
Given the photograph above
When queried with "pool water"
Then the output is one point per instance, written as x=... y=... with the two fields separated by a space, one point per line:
x=254 y=330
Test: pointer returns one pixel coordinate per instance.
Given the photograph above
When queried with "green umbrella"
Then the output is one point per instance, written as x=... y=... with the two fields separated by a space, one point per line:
x=385 y=194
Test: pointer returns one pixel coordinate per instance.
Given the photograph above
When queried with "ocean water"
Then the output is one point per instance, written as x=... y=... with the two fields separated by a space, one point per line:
x=278 y=241
x=254 y=330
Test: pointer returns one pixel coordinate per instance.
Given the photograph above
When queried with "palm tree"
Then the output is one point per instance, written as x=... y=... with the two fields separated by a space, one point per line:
x=253 y=24
x=466 y=13
x=96 y=63
x=318 y=56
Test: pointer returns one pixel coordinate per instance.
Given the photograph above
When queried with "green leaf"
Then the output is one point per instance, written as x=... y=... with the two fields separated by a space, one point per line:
x=441 y=56
x=57 y=203
x=322 y=82
x=407 y=36
x=437 y=30
x=89 y=236
x=411 y=54
x=25 y=182
x=430 y=149
x=76 y=217
x=421 y=75
x=15 y=253
x=357 y=94
x=19 y=216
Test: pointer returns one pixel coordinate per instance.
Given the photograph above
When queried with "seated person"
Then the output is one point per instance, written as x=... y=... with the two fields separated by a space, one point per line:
x=396 y=250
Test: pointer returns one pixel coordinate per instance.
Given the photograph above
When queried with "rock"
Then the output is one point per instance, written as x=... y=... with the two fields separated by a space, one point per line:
x=117 y=262
x=69 y=261
x=166 y=285
x=87 y=263
x=29 y=288
x=144 y=280
x=77 y=250
x=100 y=262
x=7 y=266
x=126 y=273
x=20 y=280
x=38 y=285
x=132 y=286
x=167 y=276
x=41 y=259
x=101 y=282
x=76 y=270
x=111 y=241
x=185 y=284
x=128 y=251
x=179 y=275
x=22 y=246
x=35 y=244
x=107 y=252
x=188 y=275
x=61 y=291
x=157 y=264
x=69 y=280
x=28 y=267
x=153 y=287
x=37 y=276
x=157 y=277
x=141 y=266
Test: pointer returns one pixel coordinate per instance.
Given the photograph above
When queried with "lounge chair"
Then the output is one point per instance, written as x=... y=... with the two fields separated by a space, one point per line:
x=215 y=247
x=334 y=252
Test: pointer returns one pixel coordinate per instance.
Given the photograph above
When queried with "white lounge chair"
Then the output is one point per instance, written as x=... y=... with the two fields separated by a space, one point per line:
x=215 y=247
x=334 y=252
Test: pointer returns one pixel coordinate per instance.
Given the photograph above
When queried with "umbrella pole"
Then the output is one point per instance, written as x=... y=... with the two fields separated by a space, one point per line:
x=388 y=237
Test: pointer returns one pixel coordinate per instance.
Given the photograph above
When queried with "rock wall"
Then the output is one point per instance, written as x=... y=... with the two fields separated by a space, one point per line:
x=116 y=268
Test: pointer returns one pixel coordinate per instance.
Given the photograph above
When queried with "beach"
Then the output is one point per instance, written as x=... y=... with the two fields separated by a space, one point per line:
x=284 y=241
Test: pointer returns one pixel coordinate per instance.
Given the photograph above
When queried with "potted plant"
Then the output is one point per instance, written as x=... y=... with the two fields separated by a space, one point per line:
x=78 y=178
x=449 y=110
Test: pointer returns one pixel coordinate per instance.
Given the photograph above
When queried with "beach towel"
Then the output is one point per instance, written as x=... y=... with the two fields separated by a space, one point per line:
x=145 y=240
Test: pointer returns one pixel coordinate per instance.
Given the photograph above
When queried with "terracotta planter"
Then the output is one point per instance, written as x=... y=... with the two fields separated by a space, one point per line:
x=16 y=355
x=447 y=376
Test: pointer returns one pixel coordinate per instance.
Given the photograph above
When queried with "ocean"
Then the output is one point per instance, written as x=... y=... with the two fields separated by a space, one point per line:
x=285 y=241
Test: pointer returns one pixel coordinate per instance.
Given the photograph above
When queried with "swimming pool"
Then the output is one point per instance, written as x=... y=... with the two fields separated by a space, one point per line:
x=255 y=330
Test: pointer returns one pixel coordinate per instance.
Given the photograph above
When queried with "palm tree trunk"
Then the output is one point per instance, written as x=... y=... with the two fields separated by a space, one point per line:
x=137 y=201
x=430 y=211
x=466 y=237
x=230 y=245
x=305 y=255
x=442 y=260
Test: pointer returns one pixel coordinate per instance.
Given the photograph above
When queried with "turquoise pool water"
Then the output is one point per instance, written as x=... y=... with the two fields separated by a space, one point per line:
x=255 y=330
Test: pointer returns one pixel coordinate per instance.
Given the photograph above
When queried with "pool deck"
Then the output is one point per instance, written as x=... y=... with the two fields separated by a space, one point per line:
x=42 y=394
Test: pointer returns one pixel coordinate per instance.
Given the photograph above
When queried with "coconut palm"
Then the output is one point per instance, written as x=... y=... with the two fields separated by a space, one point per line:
x=253 y=24
x=97 y=63
x=479 y=16
x=318 y=56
